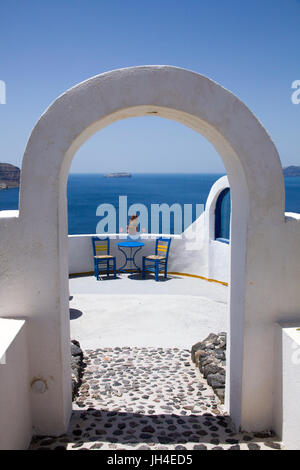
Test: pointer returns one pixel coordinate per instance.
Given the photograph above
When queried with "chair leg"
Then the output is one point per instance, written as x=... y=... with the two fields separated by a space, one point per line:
x=96 y=270
x=165 y=270
x=143 y=269
x=107 y=268
x=115 y=268
x=156 y=271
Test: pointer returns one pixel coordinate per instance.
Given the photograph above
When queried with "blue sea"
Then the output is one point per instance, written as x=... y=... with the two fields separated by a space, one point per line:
x=87 y=191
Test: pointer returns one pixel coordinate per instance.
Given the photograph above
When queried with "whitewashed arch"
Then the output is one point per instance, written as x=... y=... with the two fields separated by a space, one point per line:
x=255 y=176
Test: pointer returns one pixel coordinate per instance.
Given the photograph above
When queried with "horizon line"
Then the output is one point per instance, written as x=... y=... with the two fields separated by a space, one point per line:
x=148 y=173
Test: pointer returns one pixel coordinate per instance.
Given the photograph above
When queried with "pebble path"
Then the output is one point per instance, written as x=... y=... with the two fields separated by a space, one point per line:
x=148 y=398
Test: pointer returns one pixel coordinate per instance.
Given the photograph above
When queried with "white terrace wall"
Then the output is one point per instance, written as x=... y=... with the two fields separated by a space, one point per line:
x=265 y=255
x=15 y=406
x=81 y=253
x=287 y=384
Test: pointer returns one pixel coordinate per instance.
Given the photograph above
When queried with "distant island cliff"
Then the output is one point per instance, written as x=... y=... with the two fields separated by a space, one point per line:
x=9 y=176
x=291 y=171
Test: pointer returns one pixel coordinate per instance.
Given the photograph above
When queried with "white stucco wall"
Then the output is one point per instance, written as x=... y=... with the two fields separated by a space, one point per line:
x=265 y=255
x=203 y=255
x=287 y=384
x=219 y=261
x=15 y=406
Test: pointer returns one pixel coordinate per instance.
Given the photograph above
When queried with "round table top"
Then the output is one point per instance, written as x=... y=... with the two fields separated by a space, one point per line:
x=131 y=243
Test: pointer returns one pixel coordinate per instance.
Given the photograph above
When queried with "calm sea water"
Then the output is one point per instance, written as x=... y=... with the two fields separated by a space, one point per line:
x=86 y=192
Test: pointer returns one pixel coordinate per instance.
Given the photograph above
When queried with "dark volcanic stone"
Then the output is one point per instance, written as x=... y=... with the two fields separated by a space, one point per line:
x=273 y=445
x=253 y=446
x=164 y=439
x=200 y=447
x=78 y=444
x=215 y=441
x=148 y=429
x=211 y=359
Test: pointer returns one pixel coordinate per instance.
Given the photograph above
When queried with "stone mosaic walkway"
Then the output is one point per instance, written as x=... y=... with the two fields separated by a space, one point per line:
x=148 y=398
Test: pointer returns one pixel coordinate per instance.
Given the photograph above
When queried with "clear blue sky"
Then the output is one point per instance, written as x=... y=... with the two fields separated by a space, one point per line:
x=250 y=47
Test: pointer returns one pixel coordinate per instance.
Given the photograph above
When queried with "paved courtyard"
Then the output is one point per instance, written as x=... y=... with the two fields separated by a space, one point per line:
x=130 y=311
x=148 y=398
x=139 y=388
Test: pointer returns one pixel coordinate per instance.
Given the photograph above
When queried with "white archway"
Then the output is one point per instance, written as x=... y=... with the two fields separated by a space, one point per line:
x=255 y=176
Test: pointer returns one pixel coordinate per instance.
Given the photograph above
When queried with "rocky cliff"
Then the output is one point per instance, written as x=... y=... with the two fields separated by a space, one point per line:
x=9 y=176
x=291 y=171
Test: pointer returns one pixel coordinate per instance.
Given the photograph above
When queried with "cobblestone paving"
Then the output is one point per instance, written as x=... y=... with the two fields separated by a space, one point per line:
x=148 y=398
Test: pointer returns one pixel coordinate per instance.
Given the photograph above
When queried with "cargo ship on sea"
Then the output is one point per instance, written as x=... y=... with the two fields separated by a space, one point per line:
x=121 y=174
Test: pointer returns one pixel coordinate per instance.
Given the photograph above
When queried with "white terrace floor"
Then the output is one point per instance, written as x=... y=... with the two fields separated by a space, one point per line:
x=129 y=311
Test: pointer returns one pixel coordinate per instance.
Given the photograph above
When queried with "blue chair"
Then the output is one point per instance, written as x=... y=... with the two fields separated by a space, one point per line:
x=102 y=258
x=159 y=261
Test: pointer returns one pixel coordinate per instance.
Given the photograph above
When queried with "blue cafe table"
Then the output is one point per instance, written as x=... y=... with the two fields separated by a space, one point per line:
x=134 y=248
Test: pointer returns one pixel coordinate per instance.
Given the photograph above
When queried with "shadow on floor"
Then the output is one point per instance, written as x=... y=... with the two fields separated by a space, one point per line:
x=133 y=430
x=104 y=277
x=148 y=277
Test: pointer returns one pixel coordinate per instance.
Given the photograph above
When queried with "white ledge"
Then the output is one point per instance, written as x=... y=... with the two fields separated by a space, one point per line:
x=9 y=329
x=125 y=235
x=292 y=215
x=8 y=214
